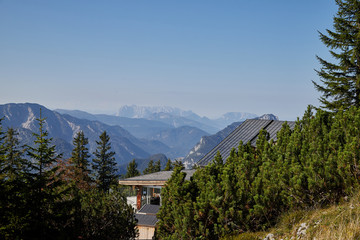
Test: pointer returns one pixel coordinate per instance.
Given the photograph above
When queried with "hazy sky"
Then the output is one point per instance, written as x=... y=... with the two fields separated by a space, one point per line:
x=207 y=56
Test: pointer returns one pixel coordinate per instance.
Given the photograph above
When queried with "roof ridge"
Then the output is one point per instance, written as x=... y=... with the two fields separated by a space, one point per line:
x=228 y=136
x=264 y=128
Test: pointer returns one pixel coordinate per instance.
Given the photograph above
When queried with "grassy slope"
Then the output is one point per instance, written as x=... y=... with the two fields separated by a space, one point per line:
x=341 y=221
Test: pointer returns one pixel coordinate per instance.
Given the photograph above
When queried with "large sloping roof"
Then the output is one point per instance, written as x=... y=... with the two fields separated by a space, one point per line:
x=147 y=215
x=248 y=131
x=149 y=209
x=153 y=179
x=146 y=220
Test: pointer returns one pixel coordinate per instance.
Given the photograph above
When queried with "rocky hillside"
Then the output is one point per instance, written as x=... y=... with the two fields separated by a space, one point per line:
x=180 y=140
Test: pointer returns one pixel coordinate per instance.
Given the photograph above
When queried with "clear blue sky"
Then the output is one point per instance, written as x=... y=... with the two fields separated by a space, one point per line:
x=207 y=56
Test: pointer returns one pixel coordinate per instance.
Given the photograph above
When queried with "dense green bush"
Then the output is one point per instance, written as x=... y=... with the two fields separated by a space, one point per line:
x=314 y=164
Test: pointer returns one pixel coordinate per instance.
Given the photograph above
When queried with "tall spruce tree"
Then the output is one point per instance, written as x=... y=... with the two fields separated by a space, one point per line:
x=2 y=153
x=104 y=164
x=132 y=170
x=14 y=163
x=168 y=166
x=15 y=172
x=80 y=153
x=340 y=82
x=157 y=166
x=44 y=187
x=80 y=160
x=150 y=168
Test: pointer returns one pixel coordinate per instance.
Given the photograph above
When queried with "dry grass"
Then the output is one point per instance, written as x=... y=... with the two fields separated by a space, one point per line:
x=336 y=222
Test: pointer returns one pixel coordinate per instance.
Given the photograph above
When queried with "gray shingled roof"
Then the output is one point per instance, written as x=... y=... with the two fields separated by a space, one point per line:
x=146 y=220
x=149 y=209
x=248 y=131
x=159 y=176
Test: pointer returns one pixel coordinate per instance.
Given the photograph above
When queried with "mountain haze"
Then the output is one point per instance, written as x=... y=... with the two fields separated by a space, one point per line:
x=177 y=117
x=179 y=140
x=139 y=127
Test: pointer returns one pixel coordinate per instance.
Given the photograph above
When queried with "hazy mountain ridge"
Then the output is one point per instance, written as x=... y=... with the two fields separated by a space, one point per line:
x=179 y=121
x=177 y=140
x=177 y=117
x=139 y=127
x=134 y=111
x=231 y=117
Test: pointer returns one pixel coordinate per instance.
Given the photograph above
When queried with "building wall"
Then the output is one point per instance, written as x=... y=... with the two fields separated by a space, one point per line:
x=146 y=232
x=132 y=201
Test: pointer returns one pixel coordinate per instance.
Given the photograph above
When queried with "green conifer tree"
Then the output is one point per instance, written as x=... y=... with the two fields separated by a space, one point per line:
x=168 y=166
x=15 y=164
x=340 y=82
x=79 y=178
x=178 y=163
x=15 y=170
x=210 y=202
x=150 y=168
x=44 y=187
x=3 y=192
x=157 y=166
x=104 y=164
x=176 y=215
x=80 y=153
x=106 y=215
x=132 y=170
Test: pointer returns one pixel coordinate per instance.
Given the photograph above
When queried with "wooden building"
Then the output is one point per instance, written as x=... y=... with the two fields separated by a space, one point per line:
x=148 y=198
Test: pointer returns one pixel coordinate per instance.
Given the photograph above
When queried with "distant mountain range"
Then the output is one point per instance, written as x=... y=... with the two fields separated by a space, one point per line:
x=177 y=117
x=62 y=128
x=178 y=140
x=139 y=127
x=140 y=133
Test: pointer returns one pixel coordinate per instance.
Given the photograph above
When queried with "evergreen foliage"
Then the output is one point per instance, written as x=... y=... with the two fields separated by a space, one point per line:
x=314 y=164
x=43 y=194
x=178 y=163
x=340 y=81
x=43 y=197
x=168 y=166
x=80 y=153
x=13 y=178
x=179 y=195
x=107 y=216
x=157 y=166
x=132 y=170
x=104 y=164
x=152 y=168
